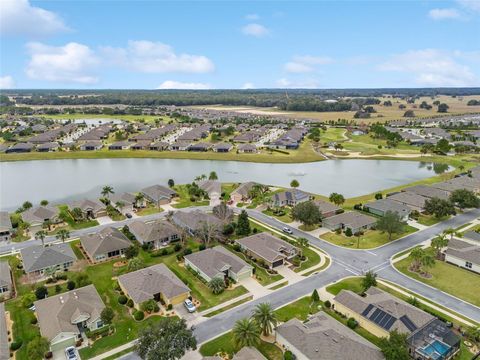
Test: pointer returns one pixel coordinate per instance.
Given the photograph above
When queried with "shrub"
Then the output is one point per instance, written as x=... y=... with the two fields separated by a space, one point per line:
x=177 y=247
x=33 y=321
x=130 y=303
x=122 y=300
x=352 y=323
x=202 y=247
x=348 y=232
x=58 y=288
x=41 y=292
x=169 y=307
x=338 y=231
x=288 y=355
x=48 y=355
x=138 y=315
x=70 y=285
x=164 y=252
x=255 y=230
x=237 y=247
x=328 y=304
x=17 y=344
x=62 y=276
x=187 y=251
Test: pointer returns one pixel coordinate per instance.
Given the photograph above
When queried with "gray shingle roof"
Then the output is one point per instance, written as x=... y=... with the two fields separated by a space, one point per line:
x=143 y=284
x=106 y=240
x=5 y=277
x=324 y=338
x=4 y=349
x=158 y=192
x=385 y=205
x=351 y=219
x=39 y=257
x=39 y=214
x=87 y=204
x=56 y=314
x=194 y=219
x=464 y=250
x=409 y=198
x=326 y=207
x=243 y=189
x=248 y=353
x=148 y=232
x=428 y=191
x=215 y=260
x=5 y=222
x=266 y=246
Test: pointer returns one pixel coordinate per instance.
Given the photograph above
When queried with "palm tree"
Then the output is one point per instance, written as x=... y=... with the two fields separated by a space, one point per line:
x=213 y=176
x=77 y=213
x=120 y=205
x=303 y=242
x=265 y=318
x=451 y=232
x=107 y=190
x=63 y=235
x=40 y=235
x=427 y=261
x=416 y=254
x=439 y=243
x=47 y=224
x=139 y=197
x=246 y=333
x=217 y=285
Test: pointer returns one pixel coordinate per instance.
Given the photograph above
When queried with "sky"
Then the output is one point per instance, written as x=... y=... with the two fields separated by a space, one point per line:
x=238 y=45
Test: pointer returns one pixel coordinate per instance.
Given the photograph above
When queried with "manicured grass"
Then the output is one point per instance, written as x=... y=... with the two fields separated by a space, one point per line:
x=404 y=252
x=286 y=218
x=308 y=227
x=449 y=278
x=429 y=220
x=78 y=253
x=228 y=307
x=184 y=198
x=71 y=223
x=321 y=268
x=333 y=135
x=371 y=238
x=149 y=210
x=282 y=284
x=354 y=284
x=299 y=309
x=312 y=259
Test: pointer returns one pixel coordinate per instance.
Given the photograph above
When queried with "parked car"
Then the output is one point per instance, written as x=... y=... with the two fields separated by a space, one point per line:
x=128 y=215
x=70 y=353
x=189 y=305
x=287 y=230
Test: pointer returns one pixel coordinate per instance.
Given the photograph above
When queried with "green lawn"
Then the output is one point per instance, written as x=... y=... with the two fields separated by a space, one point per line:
x=149 y=210
x=429 y=220
x=76 y=250
x=449 y=278
x=299 y=309
x=312 y=259
x=371 y=238
x=286 y=218
x=184 y=198
x=333 y=135
x=71 y=223
x=228 y=307
x=354 y=284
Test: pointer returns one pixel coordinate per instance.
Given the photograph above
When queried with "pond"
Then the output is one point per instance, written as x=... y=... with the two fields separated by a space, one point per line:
x=64 y=180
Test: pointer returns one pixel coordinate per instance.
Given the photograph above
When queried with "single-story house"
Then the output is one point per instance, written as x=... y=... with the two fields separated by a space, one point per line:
x=247 y=149
x=382 y=206
x=125 y=202
x=91 y=145
x=428 y=191
x=48 y=147
x=20 y=148
x=157 y=233
x=120 y=145
x=200 y=147
x=158 y=194
x=141 y=145
x=63 y=317
x=4 y=335
x=248 y=353
x=326 y=208
x=268 y=248
x=107 y=244
x=156 y=282
x=37 y=259
x=6 y=284
x=38 y=215
x=242 y=192
x=192 y=221
x=324 y=338
x=222 y=147
x=91 y=209
x=159 y=146
x=379 y=312
x=6 y=228
x=464 y=253
x=212 y=187
x=180 y=145
x=414 y=201
x=352 y=220
x=289 y=198
x=218 y=262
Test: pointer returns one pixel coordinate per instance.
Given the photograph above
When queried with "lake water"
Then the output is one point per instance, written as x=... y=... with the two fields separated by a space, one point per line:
x=64 y=180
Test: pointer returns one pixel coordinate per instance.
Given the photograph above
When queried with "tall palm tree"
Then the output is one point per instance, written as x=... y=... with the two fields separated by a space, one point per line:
x=139 y=197
x=107 y=190
x=47 y=224
x=40 y=235
x=120 y=205
x=265 y=318
x=451 y=232
x=427 y=261
x=416 y=255
x=438 y=243
x=246 y=333
x=63 y=235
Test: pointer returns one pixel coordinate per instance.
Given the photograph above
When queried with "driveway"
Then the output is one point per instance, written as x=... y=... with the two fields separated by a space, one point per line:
x=254 y=287
x=289 y=274
x=105 y=220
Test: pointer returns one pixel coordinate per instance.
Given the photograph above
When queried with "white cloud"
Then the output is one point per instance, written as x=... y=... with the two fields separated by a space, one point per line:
x=305 y=63
x=156 y=57
x=432 y=67
x=171 y=84
x=285 y=83
x=248 y=85
x=71 y=63
x=442 y=14
x=6 y=82
x=471 y=5
x=256 y=30
x=19 y=17
x=252 y=17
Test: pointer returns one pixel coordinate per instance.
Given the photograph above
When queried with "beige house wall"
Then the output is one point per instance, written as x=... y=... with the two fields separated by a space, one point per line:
x=363 y=322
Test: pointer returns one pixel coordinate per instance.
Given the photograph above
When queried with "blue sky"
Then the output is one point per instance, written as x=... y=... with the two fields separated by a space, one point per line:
x=247 y=44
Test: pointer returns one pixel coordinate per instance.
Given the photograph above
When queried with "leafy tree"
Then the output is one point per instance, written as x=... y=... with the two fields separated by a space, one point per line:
x=439 y=207
x=443 y=146
x=37 y=348
x=452 y=232
x=409 y=113
x=107 y=190
x=307 y=213
x=107 y=315
x=171 y=183
x=391 y=223
x=27 y=205
x=336 y=198
x=131 y=252
x=464 y=198
x=213 y=176
x=315 y=296
x=135 y=264
x=294 y=183
x=168 y=330
x=246 y=332
x=149 y=306
x=40 y=235
x=348 y=232
x=41 y=292
x=243 y=224
x=395 y=347
x=139 y=198
x=378 y=196
x=28 y=299
x=44 y=202
x=265 y=318
x=369 y=280
x=443 y=108
x=63 y=234
x=77 y=213
x=217 y=285
x=473 y=333
x=303 y=242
